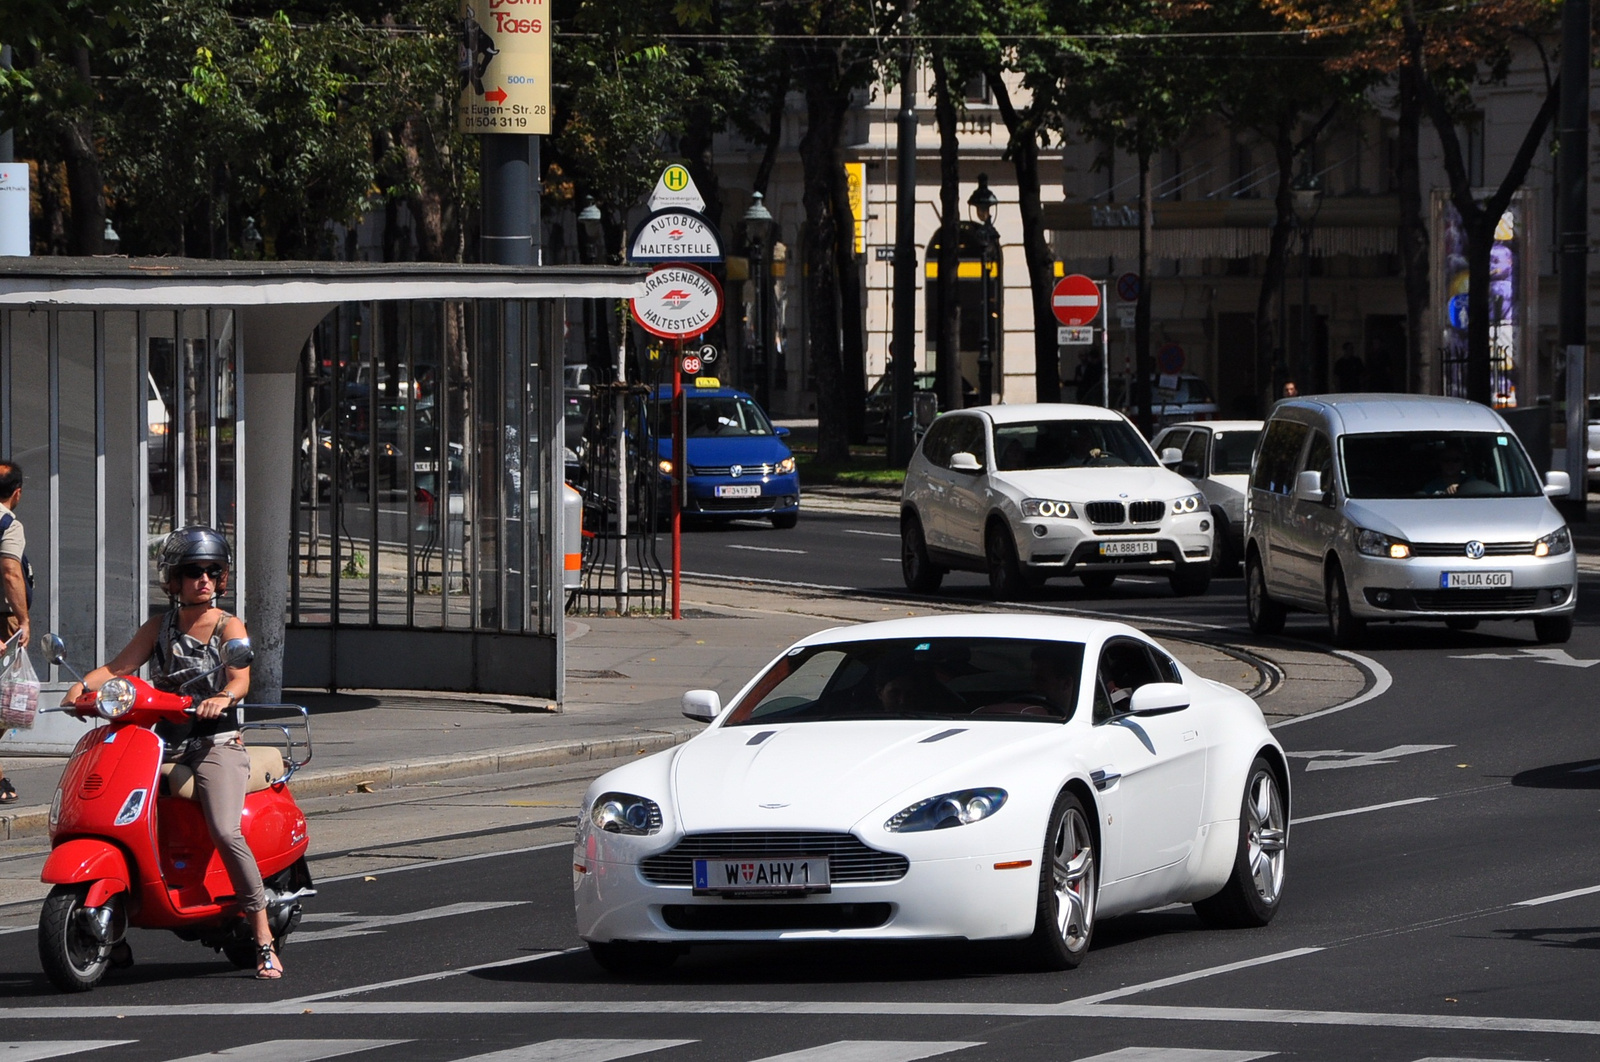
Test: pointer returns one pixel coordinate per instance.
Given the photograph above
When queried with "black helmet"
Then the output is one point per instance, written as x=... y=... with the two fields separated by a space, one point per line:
x=195 y=544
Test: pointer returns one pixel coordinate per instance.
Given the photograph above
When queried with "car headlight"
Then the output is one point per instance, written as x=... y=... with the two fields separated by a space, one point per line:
x=1192 y=504
x=665 y=466
x=626 y=813
x=946 y=810
x=114 y=698
x=1046 y=507
x=1554 y=544
x=1374 y=544
x=786 y=466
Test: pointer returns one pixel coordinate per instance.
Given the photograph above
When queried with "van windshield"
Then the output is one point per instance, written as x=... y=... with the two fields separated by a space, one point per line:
x=1437 y=464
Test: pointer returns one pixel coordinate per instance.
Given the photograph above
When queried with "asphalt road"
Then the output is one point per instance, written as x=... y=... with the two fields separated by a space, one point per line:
x=1443 y=902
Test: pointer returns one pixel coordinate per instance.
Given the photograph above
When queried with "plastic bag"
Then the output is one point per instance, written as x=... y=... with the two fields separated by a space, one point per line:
x=19 y=687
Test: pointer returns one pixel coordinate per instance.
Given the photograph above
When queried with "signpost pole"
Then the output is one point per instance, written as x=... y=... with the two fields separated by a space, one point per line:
x=678 y=478
x=1105 y=347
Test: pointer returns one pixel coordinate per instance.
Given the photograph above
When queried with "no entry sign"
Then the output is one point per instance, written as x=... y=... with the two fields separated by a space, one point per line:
x=1075 y=300
x=678 y=301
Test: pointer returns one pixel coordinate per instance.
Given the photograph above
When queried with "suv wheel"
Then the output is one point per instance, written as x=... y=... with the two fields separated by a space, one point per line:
x=1006 y=581
x=1266 y=615
x=1344 y=629
x=919 y=573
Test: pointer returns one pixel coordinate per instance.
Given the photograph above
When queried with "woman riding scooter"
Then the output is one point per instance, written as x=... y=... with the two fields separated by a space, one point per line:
x=182 y=645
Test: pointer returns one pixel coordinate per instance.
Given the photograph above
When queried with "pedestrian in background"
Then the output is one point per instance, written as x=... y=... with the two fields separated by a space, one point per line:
x=16 y=578
x=1290 y=390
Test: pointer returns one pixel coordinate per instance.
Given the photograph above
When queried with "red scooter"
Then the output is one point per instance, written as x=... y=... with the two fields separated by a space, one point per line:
x=129 y=849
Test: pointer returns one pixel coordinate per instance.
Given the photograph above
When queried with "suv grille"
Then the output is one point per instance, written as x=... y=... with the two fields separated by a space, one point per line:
x=1146 y=512
x=849 y=861
x=1459 y=549
x=1105 y=512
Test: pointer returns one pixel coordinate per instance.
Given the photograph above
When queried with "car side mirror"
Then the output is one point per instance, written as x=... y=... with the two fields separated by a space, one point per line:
x=236 y=653
x=780 y=431
x=1159 y=698
x=1308 y=486
x=1171 y=456
x=702 y=706
x=1557 y=484
x=964 y=462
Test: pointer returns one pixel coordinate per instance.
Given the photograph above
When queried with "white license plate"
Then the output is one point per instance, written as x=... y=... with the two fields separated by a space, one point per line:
x=1474 y=580
x=424 y=466
x=1127 y=549
x=741 y=490
x=755 y=877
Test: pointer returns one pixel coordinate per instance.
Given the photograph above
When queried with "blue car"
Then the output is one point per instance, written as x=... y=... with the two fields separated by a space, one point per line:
x=739 y=466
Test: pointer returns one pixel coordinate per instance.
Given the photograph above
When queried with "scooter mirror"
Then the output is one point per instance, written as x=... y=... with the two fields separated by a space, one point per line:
x=53 y=648
x=237 y=652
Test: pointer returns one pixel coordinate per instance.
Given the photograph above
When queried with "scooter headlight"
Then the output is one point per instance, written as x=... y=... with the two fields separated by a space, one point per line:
x=114 y=699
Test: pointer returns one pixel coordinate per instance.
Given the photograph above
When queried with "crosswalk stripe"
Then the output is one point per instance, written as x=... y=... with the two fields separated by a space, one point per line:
x=576 y=1050
x=1175 y=1054
x=1432 y=1058
x=31 y=1050
x=290 y=1050
x=873 y=1051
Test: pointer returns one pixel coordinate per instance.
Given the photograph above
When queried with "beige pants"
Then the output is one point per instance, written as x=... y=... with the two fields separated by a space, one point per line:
x=221 y=772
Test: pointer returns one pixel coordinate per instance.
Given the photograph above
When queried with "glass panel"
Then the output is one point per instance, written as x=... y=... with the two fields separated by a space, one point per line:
x=428 y=466
x=162 y=396
x=126 y=400
x=79 y=494
x=490 y=353
x=225 y=374
x=196 y=408
x=30 y=448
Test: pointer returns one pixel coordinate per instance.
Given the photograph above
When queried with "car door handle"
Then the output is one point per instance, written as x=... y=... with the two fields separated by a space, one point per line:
x=1105 y=778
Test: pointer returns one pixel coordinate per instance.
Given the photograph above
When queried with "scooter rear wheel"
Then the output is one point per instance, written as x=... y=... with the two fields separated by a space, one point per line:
x=72 y=959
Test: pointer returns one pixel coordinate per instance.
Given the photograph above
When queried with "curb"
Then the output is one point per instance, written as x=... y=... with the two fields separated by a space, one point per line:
x=335 y=780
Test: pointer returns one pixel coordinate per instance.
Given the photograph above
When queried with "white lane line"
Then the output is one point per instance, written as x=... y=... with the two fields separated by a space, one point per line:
x=439 y=975
x=435 y=863
x=378 y=923
x=291 y=1050
x=17 y=929
x=1542 y=900
x=1195 y=975
x=873 y=1051
x=1381 y=681
x=1439 y=1058
x=31 y=1050
x=1360 y=811
x=875 y=534
x=1176 y=1054
x=1263 y=1016
x=720 y=577
x=765 y=549
x=577 y=1050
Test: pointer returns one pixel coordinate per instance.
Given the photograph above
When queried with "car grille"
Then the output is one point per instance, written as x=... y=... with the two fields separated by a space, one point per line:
x=1467 y=600
x=1105 y=512
x=849 y=861
x=1146 y=512
x=732 y=917
x=1459 y=549
x=727 y=470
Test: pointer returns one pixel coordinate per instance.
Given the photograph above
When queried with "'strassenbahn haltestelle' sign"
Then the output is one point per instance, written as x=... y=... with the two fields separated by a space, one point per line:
x=678 y=301
x=503 y=63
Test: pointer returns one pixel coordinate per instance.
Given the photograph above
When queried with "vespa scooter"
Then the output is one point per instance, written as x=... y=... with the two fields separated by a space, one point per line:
x=129 y=846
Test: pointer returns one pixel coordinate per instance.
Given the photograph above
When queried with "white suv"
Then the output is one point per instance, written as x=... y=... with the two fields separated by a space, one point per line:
x=1029 y=492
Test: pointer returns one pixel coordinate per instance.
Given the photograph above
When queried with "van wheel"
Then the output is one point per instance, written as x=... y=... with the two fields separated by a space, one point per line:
x=1224 y=560
x=1552 y=630
x=1266 y=615
x=1344 y=629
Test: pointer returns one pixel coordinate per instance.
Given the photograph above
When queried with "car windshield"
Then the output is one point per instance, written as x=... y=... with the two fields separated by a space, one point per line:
x=1231 y=452
x=918 y=678
x=1437 y=464
x=1070 y=444
x=713 y=416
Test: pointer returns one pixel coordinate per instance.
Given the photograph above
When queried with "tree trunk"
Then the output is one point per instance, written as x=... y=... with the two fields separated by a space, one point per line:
x=852 y=322
x=947 y=335
x=426 y=203
x=1024 y=149
x=825 y=109
x=1412 y=238
x=85 y=179
x=1142 y=367
x=769 y=151
x=1270 y=359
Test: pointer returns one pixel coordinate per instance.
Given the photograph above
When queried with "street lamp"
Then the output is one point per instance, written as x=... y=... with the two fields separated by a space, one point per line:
x=1307 y=193
x=591 y=239
x=758 y=231
x=983 y=202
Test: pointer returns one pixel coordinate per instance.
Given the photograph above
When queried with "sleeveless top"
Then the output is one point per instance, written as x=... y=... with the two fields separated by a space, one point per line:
x=178 y=659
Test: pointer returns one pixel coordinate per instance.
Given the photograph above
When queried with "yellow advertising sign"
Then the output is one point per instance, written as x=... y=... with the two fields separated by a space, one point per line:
x=504 y=66
x=855 y=176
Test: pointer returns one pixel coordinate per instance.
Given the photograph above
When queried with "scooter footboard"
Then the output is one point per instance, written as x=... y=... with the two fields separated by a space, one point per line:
x=293 y=730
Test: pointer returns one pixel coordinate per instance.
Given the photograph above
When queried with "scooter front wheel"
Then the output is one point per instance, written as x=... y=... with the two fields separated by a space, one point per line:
x=72 y=959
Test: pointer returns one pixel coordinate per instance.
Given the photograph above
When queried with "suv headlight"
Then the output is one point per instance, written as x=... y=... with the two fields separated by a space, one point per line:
x=946 y=810
x=114 y=698
x=1192 y=504
x=785 y=466
x=1554 y=544
x=1374 y=544
x=1046 y=507
x=625 y=813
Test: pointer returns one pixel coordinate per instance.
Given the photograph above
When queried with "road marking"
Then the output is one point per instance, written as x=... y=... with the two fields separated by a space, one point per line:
x=439 y=863
x=30 y=1050
x=363 y=925
x=1381 y=681
x=873 y=1051
x=291 y=1050
x=1558 y=657
x=1360 y=811
x=1193 y=975
x=1176 y=1054
x=1333 y=759
x=577 y=1050
x=18 y=929
x=875 y=534
x=1437 y=1058
x=766 y=549
x=1539 y=901
x=438 y=975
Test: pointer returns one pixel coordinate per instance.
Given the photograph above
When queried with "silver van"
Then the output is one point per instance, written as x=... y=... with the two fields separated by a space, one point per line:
x=1403 y=507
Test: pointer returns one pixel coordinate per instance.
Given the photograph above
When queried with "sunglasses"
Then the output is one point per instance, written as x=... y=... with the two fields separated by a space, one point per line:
x=194 y=571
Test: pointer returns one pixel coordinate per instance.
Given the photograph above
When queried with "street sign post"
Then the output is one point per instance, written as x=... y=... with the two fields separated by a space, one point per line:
x=1074 y=335
x=675 y=234
x=679 y=301
x=675 y=188
x=1075 y=300
x=1128 y=287
x=505 y=72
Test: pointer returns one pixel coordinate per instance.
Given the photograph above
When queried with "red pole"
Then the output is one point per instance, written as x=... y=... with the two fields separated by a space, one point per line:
x=677 y=478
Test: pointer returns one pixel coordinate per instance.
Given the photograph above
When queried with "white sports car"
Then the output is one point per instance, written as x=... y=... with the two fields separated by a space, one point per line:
x=980 y=777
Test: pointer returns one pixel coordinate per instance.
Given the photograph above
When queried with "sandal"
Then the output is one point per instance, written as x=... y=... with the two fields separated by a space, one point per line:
x=8 y=792
x=268 y=967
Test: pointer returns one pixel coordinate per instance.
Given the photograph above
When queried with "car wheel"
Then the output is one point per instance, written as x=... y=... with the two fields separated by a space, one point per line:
x=1461 y=623
x=1006 y=581
x=1191 y=580
x=635 y=958
x=1552 y=629
x=785 y=521
x=1224 y=559
x=1344 y=629
x=919 y=573
x=1098 y=580
x=1069 y=886
x=1265 y=615
x=1251 y=896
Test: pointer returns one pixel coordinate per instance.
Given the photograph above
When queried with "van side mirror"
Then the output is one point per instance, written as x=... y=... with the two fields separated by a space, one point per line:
x=964 y=462
x=702 y=705
x=1171 y=456
x=1308 y=486
x=780 y=431
x=1159 y=698
x=1557 y=484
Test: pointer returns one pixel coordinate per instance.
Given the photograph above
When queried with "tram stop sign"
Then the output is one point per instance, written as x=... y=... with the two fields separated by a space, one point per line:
x=1075 y=300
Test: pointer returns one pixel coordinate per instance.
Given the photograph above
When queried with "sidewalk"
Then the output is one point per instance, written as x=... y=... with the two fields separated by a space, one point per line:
x=625 y=677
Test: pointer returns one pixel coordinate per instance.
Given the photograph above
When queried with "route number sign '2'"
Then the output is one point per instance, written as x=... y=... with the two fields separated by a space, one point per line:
x=679 y=301
x=504 y=63
x=1075 y=300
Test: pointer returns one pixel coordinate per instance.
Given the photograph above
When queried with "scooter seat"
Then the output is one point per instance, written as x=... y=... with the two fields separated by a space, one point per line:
x=266 y=764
